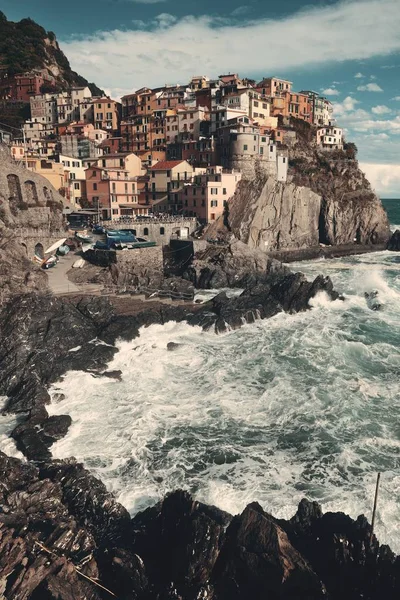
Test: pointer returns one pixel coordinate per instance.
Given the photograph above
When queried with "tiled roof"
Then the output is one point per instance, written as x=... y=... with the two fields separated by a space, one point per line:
x=166 y=164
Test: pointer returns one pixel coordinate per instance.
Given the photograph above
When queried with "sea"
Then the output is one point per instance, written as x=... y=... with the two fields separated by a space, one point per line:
x=304 y=405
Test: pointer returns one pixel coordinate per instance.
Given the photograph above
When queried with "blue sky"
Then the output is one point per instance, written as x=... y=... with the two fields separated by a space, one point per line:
x=350 y=50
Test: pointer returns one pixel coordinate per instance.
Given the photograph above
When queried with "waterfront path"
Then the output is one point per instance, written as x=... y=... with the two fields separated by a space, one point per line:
x=59 y=283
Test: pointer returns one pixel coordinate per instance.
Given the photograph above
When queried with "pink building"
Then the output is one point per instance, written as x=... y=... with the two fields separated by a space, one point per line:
x=206 y=196
x=112 y=186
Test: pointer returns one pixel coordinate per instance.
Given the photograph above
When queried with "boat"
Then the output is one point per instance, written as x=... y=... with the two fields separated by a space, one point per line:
x=56 y=245
x=98 y=229
x=50 y=262
x=63 y=250
x=82 y=237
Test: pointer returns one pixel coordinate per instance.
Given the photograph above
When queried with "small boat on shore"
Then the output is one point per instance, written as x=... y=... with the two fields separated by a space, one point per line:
x=63 y=250
x=50 y=262
x=56 y=245
x=82 y=237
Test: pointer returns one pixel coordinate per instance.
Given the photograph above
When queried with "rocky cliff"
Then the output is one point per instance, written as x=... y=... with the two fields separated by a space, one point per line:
x=30 y=220
x=326 y=200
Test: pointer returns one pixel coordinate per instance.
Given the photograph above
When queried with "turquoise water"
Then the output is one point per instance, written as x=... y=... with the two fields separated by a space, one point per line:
x=392 y=207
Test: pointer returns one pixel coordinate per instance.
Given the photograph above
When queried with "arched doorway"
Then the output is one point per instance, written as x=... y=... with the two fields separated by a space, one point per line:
x=39 y=250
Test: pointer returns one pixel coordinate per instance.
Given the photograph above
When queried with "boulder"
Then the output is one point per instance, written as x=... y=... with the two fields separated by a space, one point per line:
x=394 y=242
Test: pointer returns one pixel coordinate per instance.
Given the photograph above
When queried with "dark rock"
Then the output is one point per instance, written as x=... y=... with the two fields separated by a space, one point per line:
x=173 y=346
x=258 y=561
x=113 y=374
x=394 y=242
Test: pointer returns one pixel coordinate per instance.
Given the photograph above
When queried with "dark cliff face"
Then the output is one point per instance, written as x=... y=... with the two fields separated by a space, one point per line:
x=326 y=200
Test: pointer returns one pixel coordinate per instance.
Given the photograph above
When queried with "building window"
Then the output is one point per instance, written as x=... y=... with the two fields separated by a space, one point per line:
x=212 y=216
x=115 y=211
x=76 y=186
x=284 y=160
x=93 y=173
x=224 y=191
x=245 y=147
x=162 y=231
x=94 y=186
x=146 y=231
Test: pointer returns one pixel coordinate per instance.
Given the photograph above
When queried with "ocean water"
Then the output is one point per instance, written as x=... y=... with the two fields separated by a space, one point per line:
x=296 y=406
x=392 y=207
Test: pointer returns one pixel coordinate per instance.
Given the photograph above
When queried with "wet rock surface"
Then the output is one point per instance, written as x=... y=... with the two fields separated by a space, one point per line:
x=394 y=242
x=62 y=535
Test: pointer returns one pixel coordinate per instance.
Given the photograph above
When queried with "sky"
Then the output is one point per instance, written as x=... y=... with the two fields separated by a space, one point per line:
x=347 y=50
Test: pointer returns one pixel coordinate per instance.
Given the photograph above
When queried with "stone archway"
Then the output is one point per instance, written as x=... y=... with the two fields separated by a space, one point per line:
x=31 y=193
x=39 y=250
x=15 y=199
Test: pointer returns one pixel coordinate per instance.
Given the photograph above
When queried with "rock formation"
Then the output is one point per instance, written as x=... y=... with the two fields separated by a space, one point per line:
x=394 y=242
x=30 y=220
x=326 y=200
x=63 y=537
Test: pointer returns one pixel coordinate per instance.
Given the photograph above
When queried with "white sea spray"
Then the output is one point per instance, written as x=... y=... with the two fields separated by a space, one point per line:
x=297 y=405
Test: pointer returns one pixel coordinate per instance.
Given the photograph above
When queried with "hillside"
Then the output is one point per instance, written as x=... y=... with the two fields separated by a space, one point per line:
x=26 y=45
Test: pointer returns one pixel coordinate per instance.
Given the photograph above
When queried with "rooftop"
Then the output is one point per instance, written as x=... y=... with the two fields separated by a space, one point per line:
x=166 y=164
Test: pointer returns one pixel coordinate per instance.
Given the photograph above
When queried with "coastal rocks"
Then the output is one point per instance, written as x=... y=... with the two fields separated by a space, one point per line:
x=394 y=242
x=291 y=293
x=231 y=264
x=269 y=215
x=62 y=534
x=257 y=561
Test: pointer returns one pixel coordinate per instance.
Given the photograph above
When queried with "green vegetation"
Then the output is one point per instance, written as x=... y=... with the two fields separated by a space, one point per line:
x=23 y=48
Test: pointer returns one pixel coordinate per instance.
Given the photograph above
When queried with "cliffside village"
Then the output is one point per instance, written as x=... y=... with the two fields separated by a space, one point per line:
x=176 y=149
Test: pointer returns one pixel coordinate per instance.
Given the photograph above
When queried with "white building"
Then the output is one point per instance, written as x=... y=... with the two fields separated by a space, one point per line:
x=76 y=178
x=330 y=137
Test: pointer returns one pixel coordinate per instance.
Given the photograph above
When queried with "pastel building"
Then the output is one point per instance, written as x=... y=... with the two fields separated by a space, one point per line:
x=206 y=196
x=330 y=137
x=112 y=185
x=168 y=176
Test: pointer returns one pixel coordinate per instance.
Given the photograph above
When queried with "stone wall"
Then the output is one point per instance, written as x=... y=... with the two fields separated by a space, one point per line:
x=161 y=232
x=30 y=207
x=31 y=218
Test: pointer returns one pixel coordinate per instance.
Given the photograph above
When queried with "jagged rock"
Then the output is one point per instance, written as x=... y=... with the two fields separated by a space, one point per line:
x=58 y=517
x=394 y=242
x=231 y=264
x=257 y=561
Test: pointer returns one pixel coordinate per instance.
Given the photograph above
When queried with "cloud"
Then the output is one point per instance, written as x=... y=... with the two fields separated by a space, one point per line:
x=372 y=76
x=384 y=178
x=396 y=98
x=381 y=109
x=180 y=48
x=330 y=92
x=370 y=87
x=348 y=105
x=241 y=10
x=358 y=76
